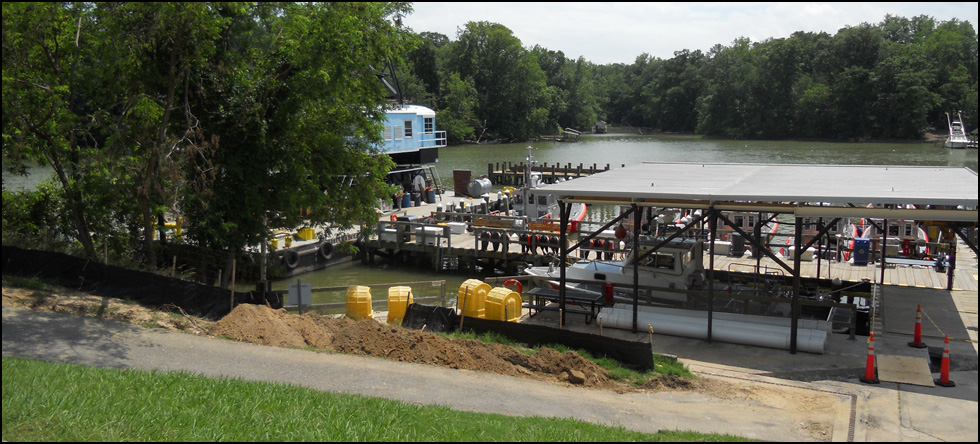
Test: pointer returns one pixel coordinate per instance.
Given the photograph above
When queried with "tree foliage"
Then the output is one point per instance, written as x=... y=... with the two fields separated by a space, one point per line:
x=227 y=113
x=893 y=80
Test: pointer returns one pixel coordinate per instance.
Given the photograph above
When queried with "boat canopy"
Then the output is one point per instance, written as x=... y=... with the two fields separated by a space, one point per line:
x=778 y=188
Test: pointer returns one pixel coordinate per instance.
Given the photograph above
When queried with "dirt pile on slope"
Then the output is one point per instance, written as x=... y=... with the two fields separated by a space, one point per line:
x=262 y=325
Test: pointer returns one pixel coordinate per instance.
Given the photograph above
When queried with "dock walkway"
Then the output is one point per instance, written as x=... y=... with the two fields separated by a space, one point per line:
x=916 y=276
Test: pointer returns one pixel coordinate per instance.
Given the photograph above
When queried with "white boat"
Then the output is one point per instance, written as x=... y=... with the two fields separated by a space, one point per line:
x=677 y=266
x=957 y=133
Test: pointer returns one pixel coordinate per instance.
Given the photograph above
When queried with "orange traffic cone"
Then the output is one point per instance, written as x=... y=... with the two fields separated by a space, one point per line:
x=943 y=380
x=917 y=339
x=869 y=372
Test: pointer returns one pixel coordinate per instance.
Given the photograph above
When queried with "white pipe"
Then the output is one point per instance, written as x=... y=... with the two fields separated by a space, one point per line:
x=748 y=333
x=812 y=324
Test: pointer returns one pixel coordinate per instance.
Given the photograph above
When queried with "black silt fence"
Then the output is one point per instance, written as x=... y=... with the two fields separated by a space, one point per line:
x=117 y=282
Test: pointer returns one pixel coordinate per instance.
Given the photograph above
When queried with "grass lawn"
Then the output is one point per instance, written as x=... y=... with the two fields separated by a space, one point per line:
x=44 y=401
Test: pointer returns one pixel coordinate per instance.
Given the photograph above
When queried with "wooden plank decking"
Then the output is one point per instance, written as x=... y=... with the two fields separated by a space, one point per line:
x=964 y=276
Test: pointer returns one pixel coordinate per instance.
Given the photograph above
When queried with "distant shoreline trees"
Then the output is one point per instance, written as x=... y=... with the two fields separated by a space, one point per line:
x=893 y=80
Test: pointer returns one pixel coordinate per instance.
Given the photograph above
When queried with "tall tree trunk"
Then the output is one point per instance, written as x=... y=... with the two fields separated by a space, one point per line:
x=73 y=198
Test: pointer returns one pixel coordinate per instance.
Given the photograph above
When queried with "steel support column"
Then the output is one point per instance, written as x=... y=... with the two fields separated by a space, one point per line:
x=565 y=209
x=713 y=231
x=884 y=246
x=797 y=254
x=637 y=215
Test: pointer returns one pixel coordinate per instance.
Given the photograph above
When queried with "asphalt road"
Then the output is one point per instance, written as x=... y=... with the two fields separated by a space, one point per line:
x=863 y=413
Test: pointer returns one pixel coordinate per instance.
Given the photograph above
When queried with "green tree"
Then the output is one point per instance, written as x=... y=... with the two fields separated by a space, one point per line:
x=293 y=112
x=225 y=112
x=509 y=83
x=45 y=117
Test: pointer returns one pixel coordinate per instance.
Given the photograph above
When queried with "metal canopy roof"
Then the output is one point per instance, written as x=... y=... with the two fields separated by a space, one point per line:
x=809 y=189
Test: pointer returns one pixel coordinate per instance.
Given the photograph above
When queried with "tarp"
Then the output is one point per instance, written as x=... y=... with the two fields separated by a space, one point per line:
x=434 y=318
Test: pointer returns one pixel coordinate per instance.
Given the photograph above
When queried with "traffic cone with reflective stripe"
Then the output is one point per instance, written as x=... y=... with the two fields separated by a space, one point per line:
x=943 y=380
x=869 y=372
x=917 y=339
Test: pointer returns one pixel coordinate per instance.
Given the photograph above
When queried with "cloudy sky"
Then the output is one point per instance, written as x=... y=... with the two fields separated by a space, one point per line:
x=618 y=32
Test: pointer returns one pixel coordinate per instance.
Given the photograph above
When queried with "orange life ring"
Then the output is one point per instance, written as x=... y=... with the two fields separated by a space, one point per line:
x=394 y=217
x=520 y=288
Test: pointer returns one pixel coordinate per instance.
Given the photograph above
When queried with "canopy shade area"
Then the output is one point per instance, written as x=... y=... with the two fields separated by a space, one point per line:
x=939 y=193
x=944 y=195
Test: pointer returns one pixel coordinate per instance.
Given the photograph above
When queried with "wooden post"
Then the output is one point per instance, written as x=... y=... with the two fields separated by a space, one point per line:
x=462 y=313
x=299 y=296
x=232 y=305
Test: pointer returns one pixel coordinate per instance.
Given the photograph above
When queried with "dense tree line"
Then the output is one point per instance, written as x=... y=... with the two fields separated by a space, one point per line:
x=228 y=114
x=893 y=80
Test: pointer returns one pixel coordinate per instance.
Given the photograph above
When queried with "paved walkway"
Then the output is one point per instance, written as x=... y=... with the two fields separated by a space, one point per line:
x=887 y=412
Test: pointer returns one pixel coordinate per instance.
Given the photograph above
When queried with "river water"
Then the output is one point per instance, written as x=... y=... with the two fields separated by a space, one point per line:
x=617 y=149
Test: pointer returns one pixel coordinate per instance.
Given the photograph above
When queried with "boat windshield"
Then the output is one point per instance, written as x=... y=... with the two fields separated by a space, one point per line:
x=609 y=267
x=659 y=260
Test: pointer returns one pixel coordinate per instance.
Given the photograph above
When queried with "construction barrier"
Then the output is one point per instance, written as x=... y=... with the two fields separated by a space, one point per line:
x=870 y=376
x=943 y=380
x=917 y=338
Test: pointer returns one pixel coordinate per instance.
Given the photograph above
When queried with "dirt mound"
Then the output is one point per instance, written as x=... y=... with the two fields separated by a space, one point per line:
x=262 y=325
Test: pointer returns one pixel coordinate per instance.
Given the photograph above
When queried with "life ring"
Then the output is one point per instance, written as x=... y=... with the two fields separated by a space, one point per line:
x=325 y=251
x=291 y=259
x=520 y=288
x=394 y=217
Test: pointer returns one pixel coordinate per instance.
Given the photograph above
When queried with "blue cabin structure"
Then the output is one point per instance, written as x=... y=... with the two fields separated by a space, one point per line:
x=410 y=135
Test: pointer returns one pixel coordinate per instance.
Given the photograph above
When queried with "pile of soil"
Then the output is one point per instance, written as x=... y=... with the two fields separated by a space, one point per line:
x=263 y=325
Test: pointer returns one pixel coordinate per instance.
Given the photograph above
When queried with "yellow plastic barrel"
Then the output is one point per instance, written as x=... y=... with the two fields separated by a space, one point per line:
x=503 y=304
x=359 y=302
x=472 y=298
x=398 y=300
x=305 y=233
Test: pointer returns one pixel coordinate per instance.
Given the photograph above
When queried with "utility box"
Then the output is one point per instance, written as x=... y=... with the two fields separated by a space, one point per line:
x=432 y=235
x=461 y=179
x=862 y=251
x=388 y=235
x=457 y=227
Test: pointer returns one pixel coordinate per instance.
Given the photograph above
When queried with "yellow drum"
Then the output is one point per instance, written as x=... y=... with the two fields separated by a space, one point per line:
x=359 y=302
x=472 y=298
x=503 y=304
x=399 y=299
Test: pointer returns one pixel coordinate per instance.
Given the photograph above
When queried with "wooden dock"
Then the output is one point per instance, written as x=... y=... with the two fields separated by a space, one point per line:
x=508 y=173
x=917 y=276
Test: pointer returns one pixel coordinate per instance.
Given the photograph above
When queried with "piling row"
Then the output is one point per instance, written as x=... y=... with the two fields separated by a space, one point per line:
x=508 y=173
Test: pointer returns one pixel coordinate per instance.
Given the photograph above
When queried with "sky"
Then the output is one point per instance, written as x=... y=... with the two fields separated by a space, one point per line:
x=615 y=32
